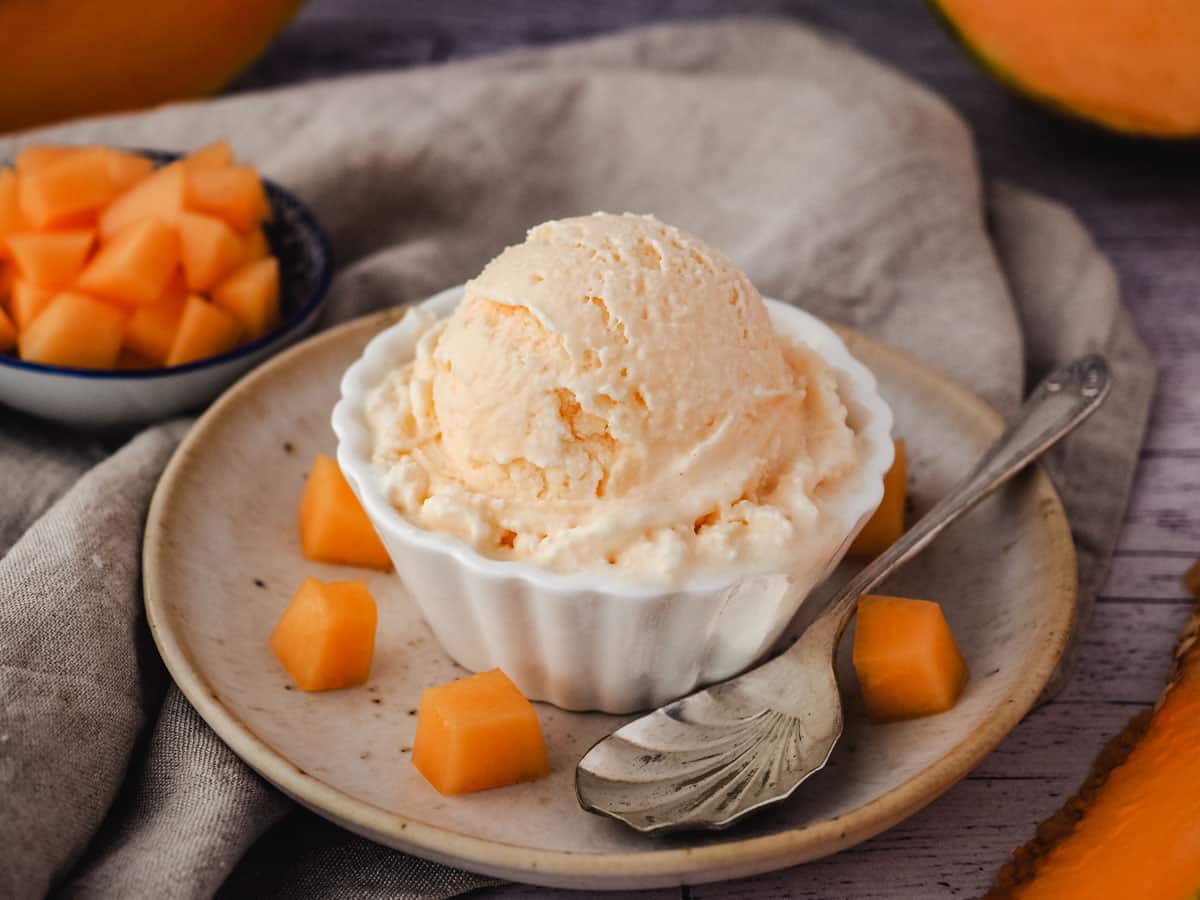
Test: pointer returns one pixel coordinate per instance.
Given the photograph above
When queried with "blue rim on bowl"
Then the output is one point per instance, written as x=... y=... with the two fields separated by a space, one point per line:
x=285 y=206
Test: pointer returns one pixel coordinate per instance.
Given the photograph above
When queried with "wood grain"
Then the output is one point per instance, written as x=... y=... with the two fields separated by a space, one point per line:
x=1139 y=199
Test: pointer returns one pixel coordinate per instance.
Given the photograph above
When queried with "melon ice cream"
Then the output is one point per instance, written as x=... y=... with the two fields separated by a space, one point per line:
x=610 y=395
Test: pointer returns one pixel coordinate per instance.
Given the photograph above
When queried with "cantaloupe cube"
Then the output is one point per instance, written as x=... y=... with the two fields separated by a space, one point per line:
x=160 y=195
x=74 y=330
x=150 y=331
x=66 y=189
x=209 y=249
x=127 y=169
x=257 y=245
x=12 y=220
x=252 y=295
x=907 y=661
x=233 y=193
x=52 y=258
x=216 y=155
x=478 y=733
x=886 y=526
x=38 y=156
x=135 y=264
x=27 y=300
x=129 y=361
x=8 y=332
x=204 y=330
x=326 y=638
x=334 y=528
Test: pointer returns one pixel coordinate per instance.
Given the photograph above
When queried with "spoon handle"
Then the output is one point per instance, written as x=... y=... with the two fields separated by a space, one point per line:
x=1064 y=399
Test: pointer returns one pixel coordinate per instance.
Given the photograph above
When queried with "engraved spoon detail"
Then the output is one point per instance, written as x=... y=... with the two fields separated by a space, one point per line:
x=709 y=759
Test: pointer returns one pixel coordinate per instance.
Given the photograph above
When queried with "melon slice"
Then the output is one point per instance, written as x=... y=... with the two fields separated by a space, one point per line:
x=150 y=331
x=334 y=528
x=886 y=525
x=74 y=330
x=232 y=193
x=1128 y=65
x=28 y=300
x=906 y=659
x=160 y=195
x=478 y=733
x=252 y=295
x=67 y=189
x=12 y=220
x=209 y=250
x=135 y=264
x=204 y=330
x=127 y=169
x=8 y=332
x=326 y=638
x=1133 y=829
x=36 y=157
x=53 y=258
x=216 y=155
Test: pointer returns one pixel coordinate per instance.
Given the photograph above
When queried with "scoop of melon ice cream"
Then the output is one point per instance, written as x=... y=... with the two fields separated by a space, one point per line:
x=611 y=393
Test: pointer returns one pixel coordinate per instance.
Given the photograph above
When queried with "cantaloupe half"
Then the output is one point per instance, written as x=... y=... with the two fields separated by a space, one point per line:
x=65 y=58
x=1133 y=830
x=1129 y=65
x=478 y=733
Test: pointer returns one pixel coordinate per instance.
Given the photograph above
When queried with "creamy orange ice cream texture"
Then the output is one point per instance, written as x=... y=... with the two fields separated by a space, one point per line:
x=610 y=395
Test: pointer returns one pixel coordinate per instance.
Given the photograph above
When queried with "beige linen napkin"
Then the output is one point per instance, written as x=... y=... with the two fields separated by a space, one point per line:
x=837 y=184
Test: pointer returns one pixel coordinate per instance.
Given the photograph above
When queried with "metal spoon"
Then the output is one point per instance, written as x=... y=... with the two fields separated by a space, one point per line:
x=717 y=755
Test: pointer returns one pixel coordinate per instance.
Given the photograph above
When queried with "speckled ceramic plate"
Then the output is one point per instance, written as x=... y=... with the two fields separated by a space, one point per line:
x=222 y=560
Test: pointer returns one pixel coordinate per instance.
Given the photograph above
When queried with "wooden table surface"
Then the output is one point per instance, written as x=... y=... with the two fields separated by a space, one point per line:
x=1142 y=203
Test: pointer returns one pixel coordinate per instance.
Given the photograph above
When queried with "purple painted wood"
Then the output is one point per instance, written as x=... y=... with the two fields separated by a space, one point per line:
x=1140 y=201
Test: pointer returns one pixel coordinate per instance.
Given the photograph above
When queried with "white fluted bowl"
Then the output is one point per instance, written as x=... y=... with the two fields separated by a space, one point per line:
x=590 y=641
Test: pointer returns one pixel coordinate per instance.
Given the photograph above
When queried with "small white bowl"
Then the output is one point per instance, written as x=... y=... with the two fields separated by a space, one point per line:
x=584 y=641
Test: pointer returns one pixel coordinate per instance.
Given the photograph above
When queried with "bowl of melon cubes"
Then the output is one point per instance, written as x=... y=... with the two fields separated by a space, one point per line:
x=137 y=285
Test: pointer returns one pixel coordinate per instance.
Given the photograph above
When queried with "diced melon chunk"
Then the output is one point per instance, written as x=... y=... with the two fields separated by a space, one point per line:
x=52 y=258
x=204 y=330
x=252 y=295
x=478 y=733
x=134 y=362
x=135 y=264
x=233 y=193
x=8 y=332
x=127 y=169
x=886 y=526
x=257 y=245
x=326 y=638
x=38 y=156
x=150 y=331
x=74 y=330
x=216 y=155
x=160 y=195
x=334 y=528
x=209 y=250
x=907 y=661
x=12 y=220
x=67 y=188
x=28 y=299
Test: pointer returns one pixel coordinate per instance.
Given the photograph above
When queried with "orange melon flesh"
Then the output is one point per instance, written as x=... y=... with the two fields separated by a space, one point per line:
x=8 y=332
x=126 y=169
x=204 y=330
x=12 y=220
x=216 y=155
x=233 y=193
x=135 y=265
x=326 y=637
x=334 y=528
x=906 y=659
x=478 y=733
x=53 y=258
x=1133 y=66
x=252 y=295
x=209 y=250
x=62 y=191
x=38 y=156
x=159 y=195
x=28 y=300
x=74 y=330
x=886 y=525
x=257 y=245
x=150 y=331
